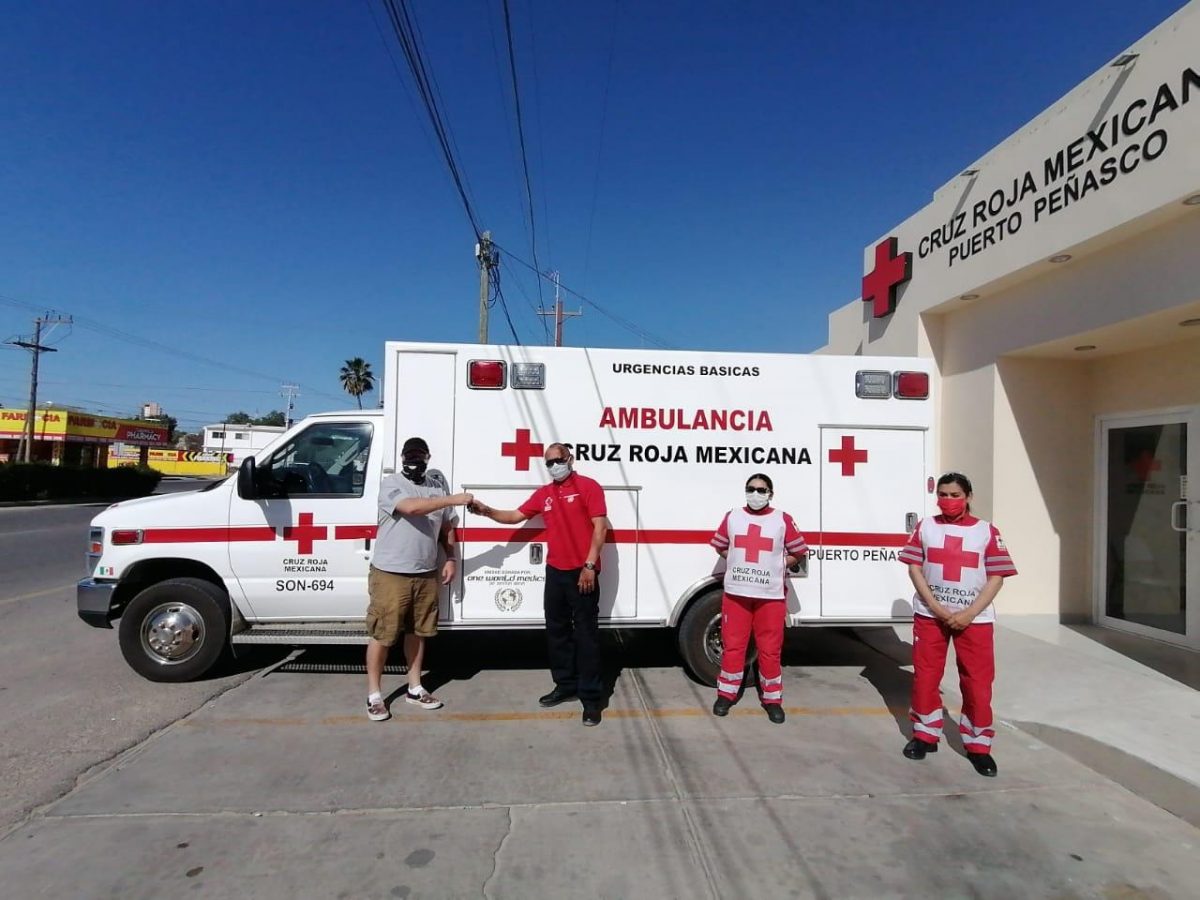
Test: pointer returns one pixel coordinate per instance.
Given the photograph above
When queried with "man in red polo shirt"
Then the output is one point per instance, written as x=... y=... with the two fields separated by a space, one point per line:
x=576 y=528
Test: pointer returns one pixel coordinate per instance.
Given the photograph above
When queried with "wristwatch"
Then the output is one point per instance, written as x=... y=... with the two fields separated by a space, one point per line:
x=590 y=566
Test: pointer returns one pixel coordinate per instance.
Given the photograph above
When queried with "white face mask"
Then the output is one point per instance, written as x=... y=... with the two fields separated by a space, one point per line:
x=755 y=500
x=559 y=471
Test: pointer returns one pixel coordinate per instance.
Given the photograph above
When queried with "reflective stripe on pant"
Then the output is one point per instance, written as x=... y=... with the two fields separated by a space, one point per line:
x=766 y=618
x=973 y=649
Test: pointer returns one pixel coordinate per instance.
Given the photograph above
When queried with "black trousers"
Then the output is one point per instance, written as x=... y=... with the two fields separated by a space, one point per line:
x=573 y=634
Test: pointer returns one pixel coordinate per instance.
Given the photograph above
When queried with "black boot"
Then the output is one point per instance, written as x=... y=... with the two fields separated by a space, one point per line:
x=721 y=707
x=775 y=713
x=915 y=749
x=557 y=696
x=983 y=763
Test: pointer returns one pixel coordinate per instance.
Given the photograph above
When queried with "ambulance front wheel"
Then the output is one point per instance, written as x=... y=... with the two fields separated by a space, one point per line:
x=175 y=630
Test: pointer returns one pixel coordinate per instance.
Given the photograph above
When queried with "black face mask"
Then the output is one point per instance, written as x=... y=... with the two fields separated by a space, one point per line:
x=414 y=470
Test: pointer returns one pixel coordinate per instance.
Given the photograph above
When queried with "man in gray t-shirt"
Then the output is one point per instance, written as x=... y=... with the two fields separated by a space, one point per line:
x=416 y=515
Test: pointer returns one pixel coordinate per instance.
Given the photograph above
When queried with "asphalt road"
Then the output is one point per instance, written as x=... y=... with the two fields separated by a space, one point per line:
x=68 y=701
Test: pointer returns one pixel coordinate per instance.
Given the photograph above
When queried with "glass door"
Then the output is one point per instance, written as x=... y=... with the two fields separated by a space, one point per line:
x=1148 y=559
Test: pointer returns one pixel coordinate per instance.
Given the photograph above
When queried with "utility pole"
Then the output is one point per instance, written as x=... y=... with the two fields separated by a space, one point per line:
x=36 y=348
x=289 y=392
x=488 y=258
x=560 y=315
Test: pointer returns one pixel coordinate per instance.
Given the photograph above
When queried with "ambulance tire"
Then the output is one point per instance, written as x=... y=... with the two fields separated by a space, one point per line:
x=175 y=630
x=700 y=639
x=698 y=645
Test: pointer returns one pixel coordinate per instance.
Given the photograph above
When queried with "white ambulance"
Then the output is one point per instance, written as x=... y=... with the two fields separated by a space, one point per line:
x=278 y=553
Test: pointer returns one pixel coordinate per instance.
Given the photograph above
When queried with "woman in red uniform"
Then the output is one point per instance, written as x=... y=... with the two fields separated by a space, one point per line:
x=958 y=564
x=759 y=542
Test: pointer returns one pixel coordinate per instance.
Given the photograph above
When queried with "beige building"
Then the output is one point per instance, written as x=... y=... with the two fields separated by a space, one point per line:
x=1056 y=283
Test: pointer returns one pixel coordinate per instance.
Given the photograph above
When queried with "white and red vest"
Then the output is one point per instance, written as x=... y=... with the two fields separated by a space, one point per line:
x=756 y=546
x=957 y=560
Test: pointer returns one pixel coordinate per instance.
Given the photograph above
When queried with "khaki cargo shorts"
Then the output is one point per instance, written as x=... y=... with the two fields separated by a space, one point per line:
x=401 y=604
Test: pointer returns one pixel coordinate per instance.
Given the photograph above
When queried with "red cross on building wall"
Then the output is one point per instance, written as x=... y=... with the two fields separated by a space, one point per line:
x=305 y=533
x=753 y=543
x=891 y=271
x=1144 y=465
x=848 y=455
x=953 y=559
x=522 y=449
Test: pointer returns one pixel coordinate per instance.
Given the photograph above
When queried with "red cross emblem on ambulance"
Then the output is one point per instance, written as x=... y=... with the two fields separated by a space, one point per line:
x=848 y=455
x=753 y=543
x=953 y=559
x=305 y=533
x=522 y=449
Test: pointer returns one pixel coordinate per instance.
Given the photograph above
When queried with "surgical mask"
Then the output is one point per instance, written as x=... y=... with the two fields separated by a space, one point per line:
x=952 y=507
x=559 y=471
x=414 y=470
x=755 y=500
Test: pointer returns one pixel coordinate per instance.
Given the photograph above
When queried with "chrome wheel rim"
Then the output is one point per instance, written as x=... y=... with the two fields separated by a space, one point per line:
x=172 y=633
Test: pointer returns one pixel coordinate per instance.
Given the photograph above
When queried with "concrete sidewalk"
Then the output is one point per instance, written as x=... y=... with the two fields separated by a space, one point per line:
x=1100 y=696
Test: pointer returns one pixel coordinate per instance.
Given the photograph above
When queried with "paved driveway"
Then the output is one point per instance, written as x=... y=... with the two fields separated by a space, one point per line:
x=281 y=787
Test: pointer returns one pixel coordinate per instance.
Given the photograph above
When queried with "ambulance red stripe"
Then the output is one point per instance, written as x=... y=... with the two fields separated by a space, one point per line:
x=229 y=534
x=685 y=536
x=220 y=535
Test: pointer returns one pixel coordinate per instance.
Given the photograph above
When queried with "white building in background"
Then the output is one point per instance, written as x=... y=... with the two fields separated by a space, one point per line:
x=239 y=441
x=1056 y=284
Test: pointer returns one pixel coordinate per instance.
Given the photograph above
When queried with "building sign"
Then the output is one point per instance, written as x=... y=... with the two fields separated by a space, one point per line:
x=59 y=425
x=1132 y=135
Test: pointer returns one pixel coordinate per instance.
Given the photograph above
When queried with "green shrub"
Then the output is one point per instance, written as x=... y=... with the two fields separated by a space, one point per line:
x=39 y=481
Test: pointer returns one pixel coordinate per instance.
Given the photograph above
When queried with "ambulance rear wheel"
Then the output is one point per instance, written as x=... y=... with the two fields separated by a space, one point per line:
x=700 y=638
x=175 y=630
x=700 y=642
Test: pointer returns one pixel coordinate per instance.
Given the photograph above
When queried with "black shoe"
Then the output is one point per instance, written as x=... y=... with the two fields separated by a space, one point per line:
x=983 y=763
x=591 y=715
x=915 y=749
x=775 y=712
x=721 y=707
x=557 y=696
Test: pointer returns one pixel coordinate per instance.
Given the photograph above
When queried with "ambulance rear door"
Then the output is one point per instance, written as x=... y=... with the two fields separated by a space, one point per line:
x=872 y=490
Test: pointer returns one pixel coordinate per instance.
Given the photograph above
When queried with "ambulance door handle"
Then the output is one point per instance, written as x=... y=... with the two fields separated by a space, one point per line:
x=1176 y=518
x=535 y=554
x=910 y=522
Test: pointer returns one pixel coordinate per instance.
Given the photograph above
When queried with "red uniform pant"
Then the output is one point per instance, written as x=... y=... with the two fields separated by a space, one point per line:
x=765 y=618
x=976 y=670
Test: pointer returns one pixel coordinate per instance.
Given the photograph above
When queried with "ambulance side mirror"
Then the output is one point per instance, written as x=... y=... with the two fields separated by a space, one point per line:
x=246 y=484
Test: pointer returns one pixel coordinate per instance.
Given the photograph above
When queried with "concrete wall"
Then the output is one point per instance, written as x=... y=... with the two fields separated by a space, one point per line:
x=1156 y=378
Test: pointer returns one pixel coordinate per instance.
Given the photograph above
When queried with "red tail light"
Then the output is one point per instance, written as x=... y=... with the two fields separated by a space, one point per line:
x=486 y=374
x=912 y=386
x=124 y=537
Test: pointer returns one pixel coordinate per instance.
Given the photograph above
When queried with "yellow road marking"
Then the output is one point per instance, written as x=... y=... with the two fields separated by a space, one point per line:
x=533 y=716
x=9 y=601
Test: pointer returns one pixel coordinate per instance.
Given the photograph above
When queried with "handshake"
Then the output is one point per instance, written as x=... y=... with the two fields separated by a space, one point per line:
x=478 y=507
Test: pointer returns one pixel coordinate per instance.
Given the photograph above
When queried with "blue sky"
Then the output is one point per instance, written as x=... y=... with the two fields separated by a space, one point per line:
x=250 y=183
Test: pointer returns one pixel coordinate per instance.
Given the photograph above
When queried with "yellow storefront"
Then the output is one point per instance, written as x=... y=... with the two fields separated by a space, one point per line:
x=76 y=438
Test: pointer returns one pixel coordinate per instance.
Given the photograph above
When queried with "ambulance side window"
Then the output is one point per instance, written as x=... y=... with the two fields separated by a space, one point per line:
x=328 y=459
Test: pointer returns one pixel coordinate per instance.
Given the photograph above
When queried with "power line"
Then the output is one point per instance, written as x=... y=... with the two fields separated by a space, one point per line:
x=177 y=352
x=647 y=336
x=528 y=301
x=512 y=68
x=406 y=35
x=495 y=279
x=612 y=43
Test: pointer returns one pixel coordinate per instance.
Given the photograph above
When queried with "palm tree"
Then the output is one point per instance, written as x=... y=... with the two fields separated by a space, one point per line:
x=357 y=378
